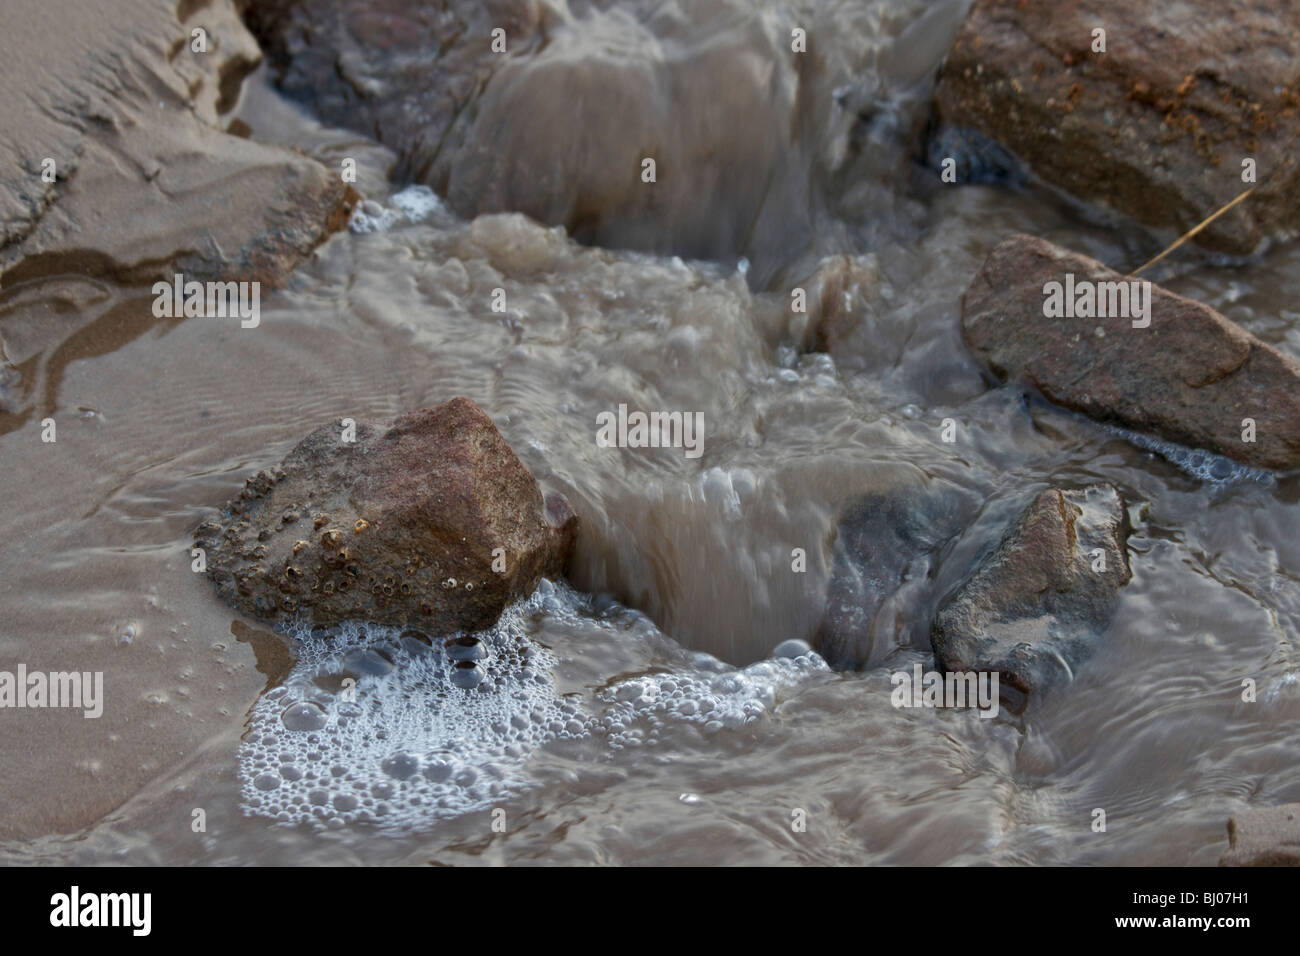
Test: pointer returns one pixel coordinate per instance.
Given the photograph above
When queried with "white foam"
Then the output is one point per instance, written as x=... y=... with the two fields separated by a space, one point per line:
x=412 y=204
x=1197 y=462
x=412 y=746
x=1274 y=691
x=416 y=202
x=371 y=216
x=639 y=708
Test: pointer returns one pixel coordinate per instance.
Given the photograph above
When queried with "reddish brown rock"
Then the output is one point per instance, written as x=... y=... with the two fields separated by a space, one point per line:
x=1266 y=836
x=1190 y=376
x=1036 y=607
x=1156 y=126
x=886 y=543
x=402 y=527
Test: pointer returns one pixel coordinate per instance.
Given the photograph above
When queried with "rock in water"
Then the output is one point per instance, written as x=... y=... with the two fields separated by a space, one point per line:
x=430 y=522
x=836 y=300
x=1153 y=117
x=1190 y=376
x=1266 y=836
x=883 y=540
x=1037 y=605
x=559 y=120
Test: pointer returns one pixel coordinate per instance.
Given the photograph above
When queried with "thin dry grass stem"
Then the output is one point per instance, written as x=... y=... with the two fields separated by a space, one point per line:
x=1193 y=231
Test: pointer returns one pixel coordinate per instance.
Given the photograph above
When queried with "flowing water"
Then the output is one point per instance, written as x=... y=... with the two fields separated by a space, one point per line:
x=635 y=714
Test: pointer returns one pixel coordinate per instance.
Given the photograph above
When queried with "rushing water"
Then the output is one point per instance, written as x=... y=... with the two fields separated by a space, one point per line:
x=637 y=716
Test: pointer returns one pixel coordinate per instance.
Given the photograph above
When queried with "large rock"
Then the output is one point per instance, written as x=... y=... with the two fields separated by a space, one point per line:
x=1040 y=601
x=146 y=183
x=1157 y=126
x=558 y=126
x=402 y=526
x=402 y=71
x=884 y=540
x=1265 y=836
x=1191 y=376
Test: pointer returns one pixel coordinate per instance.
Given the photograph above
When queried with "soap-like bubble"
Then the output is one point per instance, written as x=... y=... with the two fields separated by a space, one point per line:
x=466 y=674
x=791 y=648
x=466 y=649
x=1197 y=462
x=303 y=715
x=437 y=728
x=412 y=204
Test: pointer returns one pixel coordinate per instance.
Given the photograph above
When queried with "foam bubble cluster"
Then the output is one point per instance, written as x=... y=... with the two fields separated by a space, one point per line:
x=384 y=726
x=1197 y=462
x=375 y=723
x=637 y=709
x=412 y=204
x=416 y=203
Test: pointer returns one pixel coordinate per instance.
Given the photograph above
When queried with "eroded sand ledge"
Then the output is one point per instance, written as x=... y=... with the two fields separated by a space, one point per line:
x=146 y=182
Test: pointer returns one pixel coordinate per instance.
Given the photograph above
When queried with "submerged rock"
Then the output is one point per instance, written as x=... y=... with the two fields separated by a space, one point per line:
x=836 y=299
x=1189 y=376
x=430 y=521
x=1156 y=126
x=559 y=120
x=1265 y=836
x=1037 y=605
x=884 y=540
